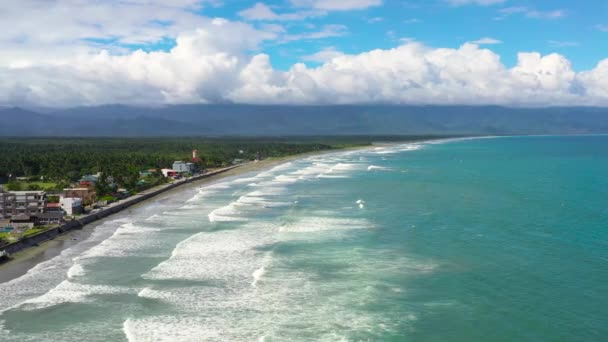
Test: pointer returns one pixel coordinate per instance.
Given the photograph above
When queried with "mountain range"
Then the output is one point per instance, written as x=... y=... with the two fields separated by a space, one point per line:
x=267 y=120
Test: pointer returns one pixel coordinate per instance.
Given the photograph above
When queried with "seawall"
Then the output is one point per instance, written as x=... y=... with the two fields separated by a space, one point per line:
x=113 y=208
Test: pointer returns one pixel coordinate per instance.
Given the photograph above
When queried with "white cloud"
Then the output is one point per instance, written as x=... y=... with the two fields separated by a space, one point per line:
x=326 y=31
x=337 y=5
x=562 y=44
x=50 y=60
x=49 y=31
x=261 y=11
x=603 y=28
x=211 y=64
x=323 y=56
x=475 y=2
x=531 y=13
x=486 y=41
x=555 y=14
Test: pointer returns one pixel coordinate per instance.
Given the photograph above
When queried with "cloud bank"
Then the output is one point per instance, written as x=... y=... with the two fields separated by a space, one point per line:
x=215 y=64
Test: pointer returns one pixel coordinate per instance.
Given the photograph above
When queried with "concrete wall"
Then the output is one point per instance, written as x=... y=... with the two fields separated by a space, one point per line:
x=105 y=212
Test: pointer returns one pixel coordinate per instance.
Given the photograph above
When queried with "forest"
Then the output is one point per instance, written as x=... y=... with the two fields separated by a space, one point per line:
x=64 y=160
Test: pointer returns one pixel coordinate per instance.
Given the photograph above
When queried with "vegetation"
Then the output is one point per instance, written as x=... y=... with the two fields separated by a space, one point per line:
x=108 y=198
x=34 y=231
x=52 y=163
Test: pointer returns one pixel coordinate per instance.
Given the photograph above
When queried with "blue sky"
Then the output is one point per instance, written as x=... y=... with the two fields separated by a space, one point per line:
x=571 y=28
x=504 y=52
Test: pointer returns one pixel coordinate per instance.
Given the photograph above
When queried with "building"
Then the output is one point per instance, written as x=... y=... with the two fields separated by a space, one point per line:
x=87 y=195
x=195 y=158
x=71 y=205
x=183 y=167
x=53 y=207
x=22 y=221
x=40 y=219
x=169 y=172
x=46 y=219
x=89 y=178
x=28 y=203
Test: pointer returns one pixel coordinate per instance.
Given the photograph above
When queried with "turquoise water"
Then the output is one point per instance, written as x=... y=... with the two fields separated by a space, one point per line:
x=502 y=239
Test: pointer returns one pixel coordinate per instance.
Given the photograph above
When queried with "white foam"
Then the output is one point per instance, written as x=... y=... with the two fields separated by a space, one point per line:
x=226 y=213
x=323 y=175
x=315 y=169
x=375 y=167
x=70 y=292
x=127 y=240
x=216 y=186
x=260 y=201
x=344 y=167
x=286 y=179
x=257 y=275
x=229 y=255
x=153 y=217
x=169 y=329
x=320 y=224
x=77 y=270
x=48 y=274
x=268 y=191
x=245 y=180
x=281 y=167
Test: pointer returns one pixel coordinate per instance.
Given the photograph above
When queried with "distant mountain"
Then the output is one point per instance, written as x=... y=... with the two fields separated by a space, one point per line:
x=20 y=122
x=251 y=120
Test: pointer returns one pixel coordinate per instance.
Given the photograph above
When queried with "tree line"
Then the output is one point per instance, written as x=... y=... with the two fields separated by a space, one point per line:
x=68 y=159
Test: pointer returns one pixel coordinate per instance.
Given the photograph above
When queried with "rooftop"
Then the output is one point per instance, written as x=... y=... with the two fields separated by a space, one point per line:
x=27 y=192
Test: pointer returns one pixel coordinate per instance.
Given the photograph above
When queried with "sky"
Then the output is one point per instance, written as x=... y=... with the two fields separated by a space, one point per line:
x=65 y=53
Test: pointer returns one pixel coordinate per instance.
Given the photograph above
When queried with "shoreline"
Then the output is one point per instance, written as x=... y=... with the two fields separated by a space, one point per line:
x=27 y=258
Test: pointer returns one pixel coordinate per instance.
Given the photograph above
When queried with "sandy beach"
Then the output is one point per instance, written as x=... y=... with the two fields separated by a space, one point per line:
x=25 y=260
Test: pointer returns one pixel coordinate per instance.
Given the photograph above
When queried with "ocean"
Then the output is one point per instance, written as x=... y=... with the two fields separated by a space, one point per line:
x=495 y=239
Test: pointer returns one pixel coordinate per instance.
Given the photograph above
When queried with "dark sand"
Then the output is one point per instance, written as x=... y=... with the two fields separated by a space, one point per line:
x=25 y=260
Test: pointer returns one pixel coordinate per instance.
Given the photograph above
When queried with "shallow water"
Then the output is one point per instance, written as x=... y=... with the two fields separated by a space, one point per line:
x=484 y=239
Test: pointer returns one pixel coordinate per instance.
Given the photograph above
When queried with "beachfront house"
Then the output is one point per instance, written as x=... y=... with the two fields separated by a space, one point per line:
x=88 y=196
x=22 y=221
x=71 y=205
x=53 y=207
x=46 y=219
x=183 y=167
x=14 y=203
x=168 y=172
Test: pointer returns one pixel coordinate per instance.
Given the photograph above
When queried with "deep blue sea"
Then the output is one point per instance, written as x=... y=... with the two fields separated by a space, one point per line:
x=495 y=239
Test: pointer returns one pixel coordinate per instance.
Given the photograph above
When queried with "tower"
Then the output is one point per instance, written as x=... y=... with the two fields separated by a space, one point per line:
x=195 y=157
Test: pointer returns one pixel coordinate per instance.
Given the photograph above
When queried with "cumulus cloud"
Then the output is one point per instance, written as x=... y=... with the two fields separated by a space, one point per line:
x=263 y=12
x=475 y=2
x=337 y=5
x=323 y=56
x=36 y=31
x=74 y=52
x=531 y=13
x=486 y=41
x=214 y=64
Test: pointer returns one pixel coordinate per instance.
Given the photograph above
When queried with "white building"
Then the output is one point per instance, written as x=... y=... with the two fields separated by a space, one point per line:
x=168 y=172
x=71 y=205
x=183 y=167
